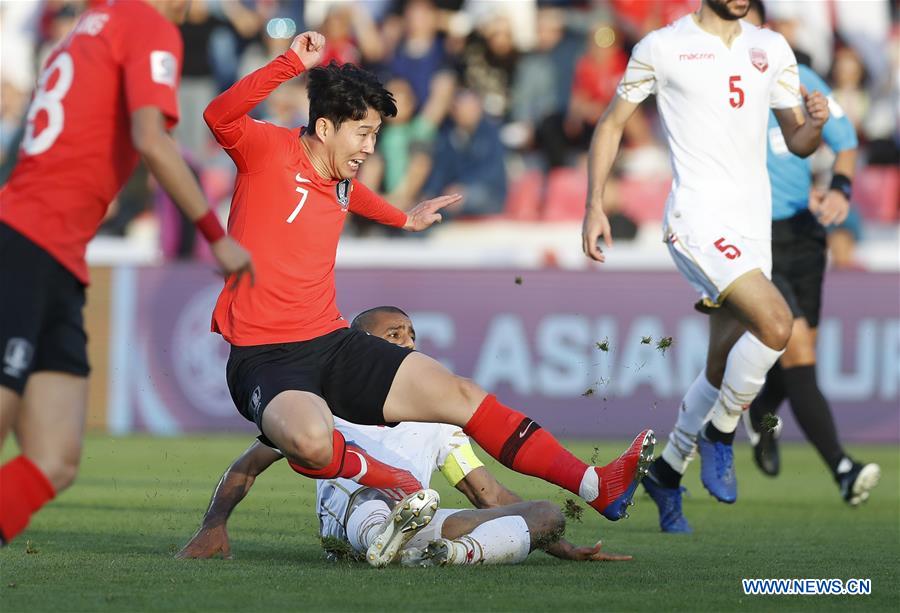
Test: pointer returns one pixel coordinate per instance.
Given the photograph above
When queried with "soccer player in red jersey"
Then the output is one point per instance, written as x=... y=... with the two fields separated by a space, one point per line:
x=106 y=97
x=294 y=362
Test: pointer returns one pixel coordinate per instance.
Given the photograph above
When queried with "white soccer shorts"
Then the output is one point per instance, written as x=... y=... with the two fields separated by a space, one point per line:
x=712 y=260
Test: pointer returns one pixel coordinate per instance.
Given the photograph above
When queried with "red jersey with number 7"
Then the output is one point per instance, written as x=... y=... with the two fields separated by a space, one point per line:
x=77 y=151
x=286 y=215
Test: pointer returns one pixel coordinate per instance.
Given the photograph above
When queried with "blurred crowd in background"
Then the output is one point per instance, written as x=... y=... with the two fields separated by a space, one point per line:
x=497 y=99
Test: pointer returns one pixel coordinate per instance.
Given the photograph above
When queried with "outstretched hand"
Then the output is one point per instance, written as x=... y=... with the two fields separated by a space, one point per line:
x=207 y=543
x=309 y=47
x=592 y=554
x=425 y=214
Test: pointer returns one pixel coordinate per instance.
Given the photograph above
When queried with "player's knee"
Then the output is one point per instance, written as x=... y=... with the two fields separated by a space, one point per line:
x=61 y=470
x=311 y=449
x=776 y=332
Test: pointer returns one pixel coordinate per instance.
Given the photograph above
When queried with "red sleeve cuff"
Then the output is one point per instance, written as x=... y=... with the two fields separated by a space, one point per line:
x=292 y=57
x=397 y=218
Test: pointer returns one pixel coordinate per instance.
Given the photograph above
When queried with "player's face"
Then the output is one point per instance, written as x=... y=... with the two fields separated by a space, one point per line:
x=394 y=328
x=730 y=10
x=352 y=143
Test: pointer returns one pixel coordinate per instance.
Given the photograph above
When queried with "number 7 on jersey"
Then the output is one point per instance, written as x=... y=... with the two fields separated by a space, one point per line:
x=303 y=194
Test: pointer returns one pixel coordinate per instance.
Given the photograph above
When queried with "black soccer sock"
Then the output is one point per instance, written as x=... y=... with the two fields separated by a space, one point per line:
x=714 y=434
x=813 y=413
x=770 y=397
x=664 y=474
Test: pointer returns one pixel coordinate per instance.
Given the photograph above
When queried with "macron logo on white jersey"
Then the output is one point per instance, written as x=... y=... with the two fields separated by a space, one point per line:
x=690 y=57
x=163 y=68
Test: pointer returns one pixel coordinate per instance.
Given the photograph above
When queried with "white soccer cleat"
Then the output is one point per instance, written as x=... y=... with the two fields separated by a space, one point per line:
x=858 y=482
x=436 y=553
x=408 y=517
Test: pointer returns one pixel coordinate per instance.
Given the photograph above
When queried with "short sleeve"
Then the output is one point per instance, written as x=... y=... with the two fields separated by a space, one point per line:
x=640 y=78
x=456 y=458
x=785 y=92
x=151 y=65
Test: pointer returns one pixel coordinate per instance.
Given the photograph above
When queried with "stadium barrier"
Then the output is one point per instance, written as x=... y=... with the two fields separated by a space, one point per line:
x=584 y=353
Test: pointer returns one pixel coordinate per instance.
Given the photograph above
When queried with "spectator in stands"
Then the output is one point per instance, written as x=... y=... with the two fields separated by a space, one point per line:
x=13 y=102
x=197 y=85
x=351 y=35
x=469 y=159
x=848 y=76
x=288 y=105
x=541 y=86
x=419 y=56
x=488 y=63
x=403 y=160
x=597 y=74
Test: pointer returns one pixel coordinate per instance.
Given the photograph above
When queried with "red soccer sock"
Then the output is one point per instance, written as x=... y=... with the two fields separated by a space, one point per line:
x=23 y=490
x=522 y=445
x=352 y=462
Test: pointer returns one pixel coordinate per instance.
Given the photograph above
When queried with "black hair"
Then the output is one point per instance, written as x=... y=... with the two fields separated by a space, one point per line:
x=364 y=319
x=346 y=92
x=759 y=7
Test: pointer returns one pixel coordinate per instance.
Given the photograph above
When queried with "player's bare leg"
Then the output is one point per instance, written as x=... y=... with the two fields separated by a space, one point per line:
x=424 y=390
x=49 y=430
x=10 y=402
x=300 y=424
x=50 y=427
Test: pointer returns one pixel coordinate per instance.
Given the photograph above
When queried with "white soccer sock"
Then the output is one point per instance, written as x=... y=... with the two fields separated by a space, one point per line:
x=363 y=524
x=590 y=484
x=745 y=373
x=505 y=540
x=695 y=408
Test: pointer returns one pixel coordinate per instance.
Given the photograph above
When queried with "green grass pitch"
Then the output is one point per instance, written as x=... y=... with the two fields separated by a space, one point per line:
x=107 y=544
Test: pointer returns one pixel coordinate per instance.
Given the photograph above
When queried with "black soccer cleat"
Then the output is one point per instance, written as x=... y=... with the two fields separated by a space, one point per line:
x=765 y=446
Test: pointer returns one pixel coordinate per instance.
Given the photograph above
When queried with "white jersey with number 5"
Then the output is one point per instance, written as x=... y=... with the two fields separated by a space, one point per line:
x=714 y=103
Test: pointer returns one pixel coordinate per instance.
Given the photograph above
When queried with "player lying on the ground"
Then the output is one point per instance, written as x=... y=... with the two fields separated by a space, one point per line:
x=293 y=362
x=715 y=78
x=800 y=217
x=504 y=530
x=107 y=97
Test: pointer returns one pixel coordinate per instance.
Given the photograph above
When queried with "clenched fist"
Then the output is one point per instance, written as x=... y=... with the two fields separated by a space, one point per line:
x=309 y=47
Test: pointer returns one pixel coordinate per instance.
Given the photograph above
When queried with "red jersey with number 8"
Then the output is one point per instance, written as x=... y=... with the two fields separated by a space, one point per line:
x=77 y=153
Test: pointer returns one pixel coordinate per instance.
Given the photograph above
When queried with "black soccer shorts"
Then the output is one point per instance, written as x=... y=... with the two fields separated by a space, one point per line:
x=799 y=255
x=351 y=370
x=41 y=320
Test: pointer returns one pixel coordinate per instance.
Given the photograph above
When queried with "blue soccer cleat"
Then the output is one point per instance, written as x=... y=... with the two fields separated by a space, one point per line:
x=717 y=469
x=668 y=500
